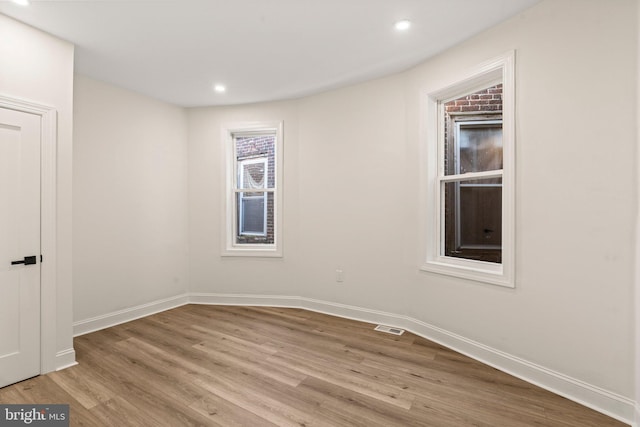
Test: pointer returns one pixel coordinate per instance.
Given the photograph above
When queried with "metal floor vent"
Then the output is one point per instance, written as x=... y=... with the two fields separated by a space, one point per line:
x=389 y=330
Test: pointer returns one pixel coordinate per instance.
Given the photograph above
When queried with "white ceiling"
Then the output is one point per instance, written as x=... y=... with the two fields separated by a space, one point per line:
x=262 y=50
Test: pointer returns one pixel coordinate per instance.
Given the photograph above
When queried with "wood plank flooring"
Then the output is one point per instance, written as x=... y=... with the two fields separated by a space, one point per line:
x=256 y=366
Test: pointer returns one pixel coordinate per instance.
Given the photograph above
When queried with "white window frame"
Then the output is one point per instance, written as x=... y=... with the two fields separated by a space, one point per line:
x=264 y=191
x=230 y=170
x=497 y=70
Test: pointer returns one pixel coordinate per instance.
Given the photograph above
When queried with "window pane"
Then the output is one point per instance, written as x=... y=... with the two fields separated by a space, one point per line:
x=252 y=215
x=480 y=147
x=255 y=218
x=473 y=132
x=473 y=219
x=252 y=175
x=254 y=153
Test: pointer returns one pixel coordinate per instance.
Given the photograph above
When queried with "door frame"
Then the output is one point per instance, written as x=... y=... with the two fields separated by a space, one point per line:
x=48 y=235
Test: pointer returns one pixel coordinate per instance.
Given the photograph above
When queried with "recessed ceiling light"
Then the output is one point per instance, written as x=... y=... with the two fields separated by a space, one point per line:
x=219 y=88
x=21 y=2
x=403 y=25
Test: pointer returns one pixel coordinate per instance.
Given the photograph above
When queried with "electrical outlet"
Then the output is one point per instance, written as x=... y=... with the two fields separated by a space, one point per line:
x=339 y=275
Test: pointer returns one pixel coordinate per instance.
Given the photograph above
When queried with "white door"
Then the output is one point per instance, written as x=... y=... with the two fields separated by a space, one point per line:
x=19 y=242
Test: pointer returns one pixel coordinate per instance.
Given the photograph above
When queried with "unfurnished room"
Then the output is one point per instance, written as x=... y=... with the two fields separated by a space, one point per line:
x=320 y=213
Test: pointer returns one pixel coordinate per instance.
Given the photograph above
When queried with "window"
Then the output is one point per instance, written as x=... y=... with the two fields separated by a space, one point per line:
x=469 y=176
x=253 y=194
x=252 y=220
x=473 y=208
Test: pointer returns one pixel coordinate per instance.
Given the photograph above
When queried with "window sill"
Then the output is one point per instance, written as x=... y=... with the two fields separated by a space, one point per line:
x=252 y=251
x=477 y=271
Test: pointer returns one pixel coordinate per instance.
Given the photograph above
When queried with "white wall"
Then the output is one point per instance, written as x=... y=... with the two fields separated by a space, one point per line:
x=353 y=202
x=352 y=192
x=572 y=309
x=206 y=191
x=148 y=205
x=637 y=271
x=130 y=205
x=39 y=68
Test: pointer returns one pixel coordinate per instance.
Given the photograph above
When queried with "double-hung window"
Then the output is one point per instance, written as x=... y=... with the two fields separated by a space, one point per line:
x=253 y=207
x=472 y=188
x=252 y=200
x=469 y=175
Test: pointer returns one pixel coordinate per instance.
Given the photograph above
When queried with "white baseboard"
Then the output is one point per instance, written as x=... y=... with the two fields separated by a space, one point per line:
x=65 y=359
x=241 y=299
x=604 y=401
x=122 y=316
x=599 y=399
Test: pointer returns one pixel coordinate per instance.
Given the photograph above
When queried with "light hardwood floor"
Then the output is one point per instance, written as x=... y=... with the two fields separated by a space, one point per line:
x=255 y=366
